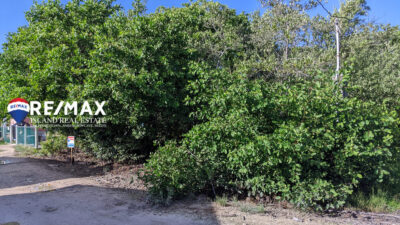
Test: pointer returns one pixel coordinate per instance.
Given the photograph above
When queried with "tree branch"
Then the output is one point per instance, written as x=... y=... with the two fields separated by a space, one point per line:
x=330 y=14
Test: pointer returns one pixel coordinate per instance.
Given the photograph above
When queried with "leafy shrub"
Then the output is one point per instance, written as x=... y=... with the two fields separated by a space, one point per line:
x=139 y=64
x=296 y=142
x=53 y=144
x=142 y=67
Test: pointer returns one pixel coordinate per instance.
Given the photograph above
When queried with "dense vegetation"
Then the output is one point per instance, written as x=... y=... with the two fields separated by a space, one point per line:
x=217 y=101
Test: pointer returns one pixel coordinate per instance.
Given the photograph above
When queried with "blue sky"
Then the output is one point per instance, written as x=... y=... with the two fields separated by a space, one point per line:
x=12 y=11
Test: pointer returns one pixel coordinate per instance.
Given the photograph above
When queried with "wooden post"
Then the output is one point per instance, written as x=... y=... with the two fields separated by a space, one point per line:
x=72 y=157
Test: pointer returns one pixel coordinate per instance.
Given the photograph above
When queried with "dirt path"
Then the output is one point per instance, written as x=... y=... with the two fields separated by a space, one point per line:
x=50 y=192
x=34 y=192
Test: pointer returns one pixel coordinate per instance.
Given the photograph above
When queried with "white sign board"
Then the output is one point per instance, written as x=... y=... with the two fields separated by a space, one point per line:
x=71 y=142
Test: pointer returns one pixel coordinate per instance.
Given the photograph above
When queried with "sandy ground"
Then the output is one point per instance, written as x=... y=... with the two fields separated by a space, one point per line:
x=52 y=192
x=35 y=192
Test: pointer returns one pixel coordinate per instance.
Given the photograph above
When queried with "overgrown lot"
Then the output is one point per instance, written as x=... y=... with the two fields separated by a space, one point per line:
x=221 y=103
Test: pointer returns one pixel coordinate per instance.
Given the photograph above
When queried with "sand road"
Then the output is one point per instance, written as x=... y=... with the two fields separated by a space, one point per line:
x=32 y=192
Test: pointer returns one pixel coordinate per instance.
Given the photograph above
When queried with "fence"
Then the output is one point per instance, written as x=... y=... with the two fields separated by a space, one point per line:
x=6 y=134
x=20 y=135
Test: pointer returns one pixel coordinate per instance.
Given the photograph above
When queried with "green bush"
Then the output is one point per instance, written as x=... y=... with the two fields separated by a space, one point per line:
x=54 y=143
x=296 y=142
x=142 y=67
x=139 y=64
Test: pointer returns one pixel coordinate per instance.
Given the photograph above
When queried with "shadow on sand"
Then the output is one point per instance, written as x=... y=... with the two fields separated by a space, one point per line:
x=78 y=204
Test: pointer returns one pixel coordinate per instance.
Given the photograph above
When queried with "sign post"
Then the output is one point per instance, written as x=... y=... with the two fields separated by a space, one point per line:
x=71 y=145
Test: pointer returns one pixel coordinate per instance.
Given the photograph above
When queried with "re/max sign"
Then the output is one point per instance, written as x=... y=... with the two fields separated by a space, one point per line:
x=50 y=108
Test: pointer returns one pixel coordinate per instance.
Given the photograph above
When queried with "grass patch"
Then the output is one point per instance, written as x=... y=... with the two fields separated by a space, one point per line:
x=222 y=201
x=235 y=201
x=253 y=209
x=378 y=201
x=25 y=150
x=241 y=205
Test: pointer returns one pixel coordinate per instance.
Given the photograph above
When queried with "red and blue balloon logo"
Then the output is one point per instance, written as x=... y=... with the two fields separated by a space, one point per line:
x=18 y=109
